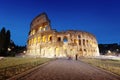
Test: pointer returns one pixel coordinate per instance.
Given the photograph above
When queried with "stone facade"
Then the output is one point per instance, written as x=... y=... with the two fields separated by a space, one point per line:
x=43 y=41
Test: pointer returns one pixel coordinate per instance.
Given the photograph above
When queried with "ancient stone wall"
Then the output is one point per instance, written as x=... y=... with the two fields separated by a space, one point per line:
x=45 y=42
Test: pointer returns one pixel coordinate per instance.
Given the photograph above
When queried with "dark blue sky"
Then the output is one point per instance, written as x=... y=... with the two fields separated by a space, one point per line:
x=100 y=17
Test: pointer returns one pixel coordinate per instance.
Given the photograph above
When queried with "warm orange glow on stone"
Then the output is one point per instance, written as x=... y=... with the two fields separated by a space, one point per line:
x=35 y=40
x=49 y=37
x=44 y=38
x=46 y=42
x=38 y=39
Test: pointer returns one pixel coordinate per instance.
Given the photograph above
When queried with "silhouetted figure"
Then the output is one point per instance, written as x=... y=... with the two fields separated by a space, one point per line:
x=76 y=56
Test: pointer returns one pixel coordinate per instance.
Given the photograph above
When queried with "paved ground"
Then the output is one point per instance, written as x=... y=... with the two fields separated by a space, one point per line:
x=63 y=69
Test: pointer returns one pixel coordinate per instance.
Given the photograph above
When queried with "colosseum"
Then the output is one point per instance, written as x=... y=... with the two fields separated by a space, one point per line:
x=43 y=41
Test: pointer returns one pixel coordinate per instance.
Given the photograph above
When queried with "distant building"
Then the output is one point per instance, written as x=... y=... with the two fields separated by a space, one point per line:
x=43 y=41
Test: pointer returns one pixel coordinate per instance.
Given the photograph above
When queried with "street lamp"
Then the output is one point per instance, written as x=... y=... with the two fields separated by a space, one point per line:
x=9 y=49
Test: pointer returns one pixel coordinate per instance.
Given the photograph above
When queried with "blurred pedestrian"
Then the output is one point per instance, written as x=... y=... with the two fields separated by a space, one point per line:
x=76 y=57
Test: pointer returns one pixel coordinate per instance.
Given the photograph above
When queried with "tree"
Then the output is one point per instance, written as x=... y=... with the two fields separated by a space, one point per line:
x=8 y=38
x=7 y=46
x=4 y=41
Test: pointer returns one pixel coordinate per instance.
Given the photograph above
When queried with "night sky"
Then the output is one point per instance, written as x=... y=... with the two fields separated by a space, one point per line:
x=99 y=17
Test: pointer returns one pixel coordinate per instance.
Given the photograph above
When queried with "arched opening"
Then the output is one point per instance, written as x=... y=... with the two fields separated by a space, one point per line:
x=44 y=38
x=33 y=32
x=59 y=39
x=75 y=41
x=79 y=36
x=87 y=42
x=84 y=42
x=50 y=38
x=85 y=50
x=40 y=28
x=35 y=40
x=80 y=49
x=39 y=39
x=65 y=39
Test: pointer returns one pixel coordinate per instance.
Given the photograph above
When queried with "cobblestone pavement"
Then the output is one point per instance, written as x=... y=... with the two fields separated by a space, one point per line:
x=63 y=69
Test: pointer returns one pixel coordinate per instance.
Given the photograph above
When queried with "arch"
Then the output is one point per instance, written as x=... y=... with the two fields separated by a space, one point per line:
x=44 y=38
x=80 y=49
x=79 y=36
x=38 y=39
x=44 y=29
x=59 y=39
x=50 y=38
x=75 y=41
x=87 y=41
x=35 y=40
x=84 y=42
x=65 y=39
x=79 y=42
x=85 y=50
x=40 y=28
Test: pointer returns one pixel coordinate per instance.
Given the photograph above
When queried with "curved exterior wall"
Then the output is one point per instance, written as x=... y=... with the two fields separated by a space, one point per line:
x=45 y=42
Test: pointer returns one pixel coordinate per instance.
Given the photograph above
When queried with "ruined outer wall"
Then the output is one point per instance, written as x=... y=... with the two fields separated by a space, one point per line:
x=45 y=42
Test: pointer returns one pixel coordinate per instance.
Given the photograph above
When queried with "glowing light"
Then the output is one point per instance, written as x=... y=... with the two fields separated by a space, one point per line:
x=44 y=38
x=44 y=29
x=57 y=51
x=40 y=28
x=49 y=37
x=24 y=51
x=75 y=41
x=39 y=39
x=33 y=32
x=9 y=49
x=109 y=51
x=35 y=40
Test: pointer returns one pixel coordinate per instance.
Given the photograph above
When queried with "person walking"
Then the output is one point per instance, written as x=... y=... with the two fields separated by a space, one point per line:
x=76 y=57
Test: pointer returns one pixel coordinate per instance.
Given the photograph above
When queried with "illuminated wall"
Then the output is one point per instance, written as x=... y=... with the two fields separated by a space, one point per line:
x=46 y=42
